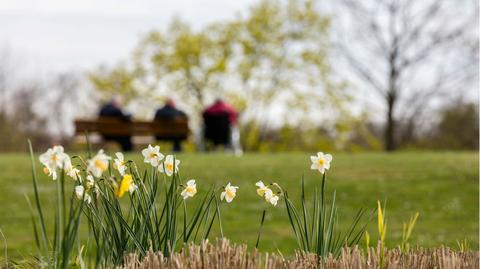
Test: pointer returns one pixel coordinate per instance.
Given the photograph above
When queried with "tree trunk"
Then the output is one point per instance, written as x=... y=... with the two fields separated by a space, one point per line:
x=391 y=97
x=390 y=144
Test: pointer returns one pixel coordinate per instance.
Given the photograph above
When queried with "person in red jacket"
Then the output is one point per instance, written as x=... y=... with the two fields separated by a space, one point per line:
x=220 y=121
x=220 y=107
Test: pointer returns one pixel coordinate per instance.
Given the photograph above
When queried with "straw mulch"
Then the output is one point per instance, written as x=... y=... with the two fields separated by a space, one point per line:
x=226 y=255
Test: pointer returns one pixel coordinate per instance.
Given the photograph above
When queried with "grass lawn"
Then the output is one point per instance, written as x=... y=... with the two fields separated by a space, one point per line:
x=442 y=187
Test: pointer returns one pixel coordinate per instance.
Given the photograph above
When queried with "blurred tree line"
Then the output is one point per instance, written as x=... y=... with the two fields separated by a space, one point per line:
x=290 y=71
x=35 y=108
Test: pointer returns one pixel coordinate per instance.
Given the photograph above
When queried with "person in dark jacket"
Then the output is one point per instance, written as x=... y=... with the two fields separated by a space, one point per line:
x=220 y=121
x=169 y=112
x=113 y=109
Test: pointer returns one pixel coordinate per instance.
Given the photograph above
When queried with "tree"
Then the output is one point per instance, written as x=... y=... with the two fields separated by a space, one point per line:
x=273 y=57
x=410 y=53
x=458 y=127
x=282 y=58
x=181 y=63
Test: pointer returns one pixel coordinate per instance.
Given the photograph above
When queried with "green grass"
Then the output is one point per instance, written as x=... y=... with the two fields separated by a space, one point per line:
x=443 y=187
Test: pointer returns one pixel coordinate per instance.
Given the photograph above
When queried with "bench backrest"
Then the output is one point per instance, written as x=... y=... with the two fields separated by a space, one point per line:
x=161 y=128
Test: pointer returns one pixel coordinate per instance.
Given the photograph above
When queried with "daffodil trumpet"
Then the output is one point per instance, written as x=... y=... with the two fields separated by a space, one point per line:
x=267 y=193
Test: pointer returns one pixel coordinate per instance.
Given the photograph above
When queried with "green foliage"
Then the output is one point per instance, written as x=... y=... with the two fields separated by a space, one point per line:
x=118 y=80
x=13 y=131
x=286 y=138
x=11 y=137
x=442 y=186
x=317 y=231
x=148 y=223
x=407 y=232
x=382 y=231
x=55 y=251
x=151 y=221
x=458 y=127
x=463 y=245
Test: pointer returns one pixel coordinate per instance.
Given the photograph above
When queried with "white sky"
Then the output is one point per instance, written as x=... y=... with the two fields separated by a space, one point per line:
x=58 y=35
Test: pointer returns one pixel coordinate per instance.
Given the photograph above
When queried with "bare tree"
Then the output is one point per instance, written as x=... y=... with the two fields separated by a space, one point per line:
x=7 y=74
x=410 y=53
x=66 y=98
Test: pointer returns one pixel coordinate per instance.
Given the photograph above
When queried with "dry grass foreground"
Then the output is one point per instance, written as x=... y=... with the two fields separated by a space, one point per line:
x=223 y=254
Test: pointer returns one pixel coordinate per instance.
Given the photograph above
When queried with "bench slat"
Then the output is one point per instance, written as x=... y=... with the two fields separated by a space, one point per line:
x=171 y=128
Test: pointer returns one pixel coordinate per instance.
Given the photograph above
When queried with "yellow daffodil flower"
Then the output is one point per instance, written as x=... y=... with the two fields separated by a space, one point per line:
x=125 y=185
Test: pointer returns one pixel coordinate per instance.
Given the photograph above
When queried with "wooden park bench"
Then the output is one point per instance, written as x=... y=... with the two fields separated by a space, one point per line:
x=162 y=129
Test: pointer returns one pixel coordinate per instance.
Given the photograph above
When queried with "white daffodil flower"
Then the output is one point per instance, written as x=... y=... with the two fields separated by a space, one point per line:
x=54 y=158
x=152 y=155
x=168 y=166
x=133 y=187
x=190 y=190
x=229 y=193
x=271 y=197
x=96 y=190
x=119 y=163
x=261 y=188
x=90 y=182
x=50 y=172
x=75 y=174
x=79 y=190
x=98 y=164
x=321 y=162
x=71 y=171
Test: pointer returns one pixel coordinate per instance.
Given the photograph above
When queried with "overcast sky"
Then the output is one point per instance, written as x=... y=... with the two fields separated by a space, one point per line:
x=58 y=35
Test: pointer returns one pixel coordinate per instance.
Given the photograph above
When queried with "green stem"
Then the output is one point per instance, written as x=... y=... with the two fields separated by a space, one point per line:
x=260 y=229
x=219 y=216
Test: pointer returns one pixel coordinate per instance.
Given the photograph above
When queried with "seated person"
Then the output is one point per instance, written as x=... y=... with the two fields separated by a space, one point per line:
x=113 y=109
x=170 y=112
x=219 y=120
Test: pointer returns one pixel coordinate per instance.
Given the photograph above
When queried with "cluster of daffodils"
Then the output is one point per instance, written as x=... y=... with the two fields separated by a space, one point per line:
x=267 y=193
x=55 y=160
x=153 y=156
x=169 y=166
